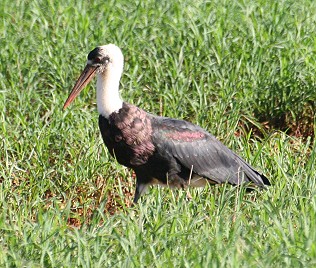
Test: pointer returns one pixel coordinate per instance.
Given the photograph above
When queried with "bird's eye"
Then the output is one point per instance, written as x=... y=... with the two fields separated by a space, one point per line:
x=97 y=60
x=106 y=60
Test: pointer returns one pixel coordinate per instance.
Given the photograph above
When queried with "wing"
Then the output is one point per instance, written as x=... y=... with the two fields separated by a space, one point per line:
x=196 y=149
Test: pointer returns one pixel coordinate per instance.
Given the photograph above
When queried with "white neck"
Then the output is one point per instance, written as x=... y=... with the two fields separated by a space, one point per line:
x=108 y=97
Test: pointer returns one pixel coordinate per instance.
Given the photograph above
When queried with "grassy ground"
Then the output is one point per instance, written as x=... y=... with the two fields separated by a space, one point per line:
x=244 y=70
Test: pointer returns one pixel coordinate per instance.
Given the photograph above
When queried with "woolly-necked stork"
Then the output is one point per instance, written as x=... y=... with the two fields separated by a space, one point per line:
x=160 y=150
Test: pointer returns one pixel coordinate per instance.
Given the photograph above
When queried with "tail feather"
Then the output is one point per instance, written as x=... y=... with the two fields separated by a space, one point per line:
x=253 y=175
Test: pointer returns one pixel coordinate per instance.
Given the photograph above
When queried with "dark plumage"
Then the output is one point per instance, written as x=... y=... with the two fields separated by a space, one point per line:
x=166 y=150
x=160 y=150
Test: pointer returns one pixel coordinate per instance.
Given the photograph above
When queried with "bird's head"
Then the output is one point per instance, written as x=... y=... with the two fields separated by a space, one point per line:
x=101 y=60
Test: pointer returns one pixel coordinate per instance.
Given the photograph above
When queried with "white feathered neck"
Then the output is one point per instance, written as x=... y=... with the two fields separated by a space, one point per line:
x=108 y=81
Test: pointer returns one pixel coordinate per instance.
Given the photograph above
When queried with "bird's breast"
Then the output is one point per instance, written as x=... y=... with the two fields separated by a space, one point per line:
x=127 y=134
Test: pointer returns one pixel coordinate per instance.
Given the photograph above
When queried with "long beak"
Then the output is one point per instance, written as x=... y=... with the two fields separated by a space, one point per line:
x=87 y=74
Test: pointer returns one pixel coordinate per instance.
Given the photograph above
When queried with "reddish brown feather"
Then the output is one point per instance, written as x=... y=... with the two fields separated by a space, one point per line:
x=129 y=134
x=185 y=135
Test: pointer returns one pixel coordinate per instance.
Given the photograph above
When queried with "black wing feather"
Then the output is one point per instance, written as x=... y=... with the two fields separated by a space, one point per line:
x=196 y=149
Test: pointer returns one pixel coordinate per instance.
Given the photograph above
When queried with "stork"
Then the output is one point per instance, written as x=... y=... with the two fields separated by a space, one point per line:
x=160 y=150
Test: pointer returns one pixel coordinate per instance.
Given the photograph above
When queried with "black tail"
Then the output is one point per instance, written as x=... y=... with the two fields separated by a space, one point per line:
x=265 y=180
x=252 y=174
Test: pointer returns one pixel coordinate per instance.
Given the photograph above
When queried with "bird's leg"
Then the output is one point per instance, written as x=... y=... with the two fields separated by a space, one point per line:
x=140 y=189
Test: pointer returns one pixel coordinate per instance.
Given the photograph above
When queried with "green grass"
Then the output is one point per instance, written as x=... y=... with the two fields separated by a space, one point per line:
x=244 y=70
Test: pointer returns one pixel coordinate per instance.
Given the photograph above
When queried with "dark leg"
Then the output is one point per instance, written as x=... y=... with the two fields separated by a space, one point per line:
x=140 y=189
